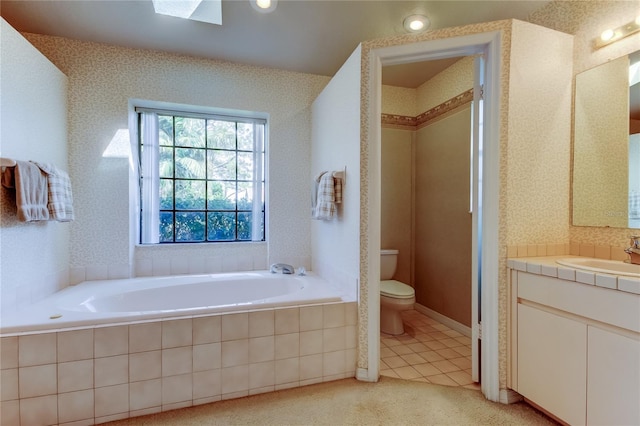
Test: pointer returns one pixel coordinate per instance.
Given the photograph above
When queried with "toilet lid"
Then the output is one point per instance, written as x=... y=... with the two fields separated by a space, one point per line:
x=393 y=288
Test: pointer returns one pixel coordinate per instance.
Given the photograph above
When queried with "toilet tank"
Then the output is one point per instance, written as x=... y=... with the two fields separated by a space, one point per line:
x=388 y=263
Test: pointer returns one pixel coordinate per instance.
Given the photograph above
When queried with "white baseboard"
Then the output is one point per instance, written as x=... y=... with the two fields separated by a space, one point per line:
x=452 y=324
x=508 y=396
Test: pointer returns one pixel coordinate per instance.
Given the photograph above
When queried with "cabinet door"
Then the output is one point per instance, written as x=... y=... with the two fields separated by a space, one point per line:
x=613 y=393
x=552 y=363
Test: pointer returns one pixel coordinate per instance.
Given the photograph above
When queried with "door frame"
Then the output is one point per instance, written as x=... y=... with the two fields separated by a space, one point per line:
x=486 y=254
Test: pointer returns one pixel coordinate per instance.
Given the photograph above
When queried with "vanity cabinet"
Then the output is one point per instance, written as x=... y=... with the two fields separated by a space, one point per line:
x=576 y=349
x=552 y=363
x=613 y=369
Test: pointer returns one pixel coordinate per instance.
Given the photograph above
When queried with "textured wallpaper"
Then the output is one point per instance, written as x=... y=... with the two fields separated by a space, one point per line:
x=533 y=199
x=456 y=79
x=399 y=101
x=586 y=20
x=102 y=79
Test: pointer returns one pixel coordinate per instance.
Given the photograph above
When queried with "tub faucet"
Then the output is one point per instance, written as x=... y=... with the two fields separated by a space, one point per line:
x=282 y=268
x=634 y=250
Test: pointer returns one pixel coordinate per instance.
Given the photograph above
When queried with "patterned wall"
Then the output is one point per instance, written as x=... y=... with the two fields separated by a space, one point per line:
x=518 y=141
x=102 y=78
x=586 y=20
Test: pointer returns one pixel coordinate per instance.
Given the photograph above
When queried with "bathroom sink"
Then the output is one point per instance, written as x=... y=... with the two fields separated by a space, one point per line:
x=615 y=267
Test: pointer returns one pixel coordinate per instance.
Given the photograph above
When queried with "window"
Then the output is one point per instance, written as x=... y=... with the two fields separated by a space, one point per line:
x=201 y=177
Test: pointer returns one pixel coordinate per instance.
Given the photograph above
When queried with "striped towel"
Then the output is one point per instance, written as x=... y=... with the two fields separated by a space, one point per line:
x=328 y=194
x=60 y=199
x=634 y=205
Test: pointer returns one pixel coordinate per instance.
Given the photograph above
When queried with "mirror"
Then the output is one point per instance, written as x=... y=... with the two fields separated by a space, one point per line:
x=606 y=149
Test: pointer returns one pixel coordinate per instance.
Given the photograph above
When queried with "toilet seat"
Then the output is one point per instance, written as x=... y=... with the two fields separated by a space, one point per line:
x=396 y=289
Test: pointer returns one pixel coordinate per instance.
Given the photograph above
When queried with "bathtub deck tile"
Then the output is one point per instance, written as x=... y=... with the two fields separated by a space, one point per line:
x=262 y=323
x=75 y=375
x=235 y=326
x=177 y=405
x=8 y=384
x=111 y=401
x=201 y=401
x=235 y=352
x=113 y=370
x=145 y=337
x=287 y=320
x=176 y=333
x=207 y=356
x=262 y=390
x=39 y=380
x=207 y=384
x=234 y=395
x=176 y=389
x=75 y=406
x=37 y=349
x=311 y=318
x=10 y=412
x=145 y=411
x=75 y=345
x=111 y=417
x=110 y=341
x=235 y=379
x=207 y=330
x=287 y=371
x=262 y=349
x=145 y=366
x=262 y=374
x=39 y=410
x=287 y=345
x=145 y=394
x=176 y=361
x=311 y=342
x=311 y=367
x=333 y=314
x=284 y=386
x=9 y=352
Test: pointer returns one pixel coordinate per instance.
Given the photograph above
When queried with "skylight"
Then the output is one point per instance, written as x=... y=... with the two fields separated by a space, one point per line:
x=209 y=11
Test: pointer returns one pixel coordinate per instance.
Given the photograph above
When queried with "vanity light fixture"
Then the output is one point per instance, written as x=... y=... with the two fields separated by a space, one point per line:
x=416 y=23
x=609 y=36
x=264 y=6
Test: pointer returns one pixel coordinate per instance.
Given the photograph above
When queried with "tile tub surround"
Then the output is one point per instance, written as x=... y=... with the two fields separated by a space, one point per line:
x=96 y=375
x=546 y=265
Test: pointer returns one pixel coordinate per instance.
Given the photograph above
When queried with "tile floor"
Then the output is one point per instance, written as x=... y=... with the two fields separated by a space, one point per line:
x=428 y=352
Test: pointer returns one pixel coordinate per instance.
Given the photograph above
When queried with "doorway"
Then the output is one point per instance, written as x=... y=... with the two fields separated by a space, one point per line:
x=485 y=249
x=426 y=215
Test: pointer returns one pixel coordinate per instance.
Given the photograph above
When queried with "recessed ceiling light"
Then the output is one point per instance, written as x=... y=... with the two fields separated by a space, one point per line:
x=264 y=6
x=416 y=23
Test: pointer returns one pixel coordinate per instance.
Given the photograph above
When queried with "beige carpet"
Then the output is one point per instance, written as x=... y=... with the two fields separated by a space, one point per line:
x=350 y=402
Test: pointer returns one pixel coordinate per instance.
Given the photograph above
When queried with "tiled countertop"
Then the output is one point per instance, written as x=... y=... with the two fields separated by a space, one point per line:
x=547 y=265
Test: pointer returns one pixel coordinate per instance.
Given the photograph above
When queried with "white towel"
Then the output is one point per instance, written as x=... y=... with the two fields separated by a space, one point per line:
x=31 y=190
x=325 y=207
x=60 y=198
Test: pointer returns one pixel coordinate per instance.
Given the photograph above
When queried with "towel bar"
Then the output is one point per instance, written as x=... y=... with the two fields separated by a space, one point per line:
x=342 y=174
x=7 y=162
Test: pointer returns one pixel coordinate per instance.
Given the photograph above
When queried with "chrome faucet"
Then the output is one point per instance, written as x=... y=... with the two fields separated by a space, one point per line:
x=634 y=250
x=282 y=268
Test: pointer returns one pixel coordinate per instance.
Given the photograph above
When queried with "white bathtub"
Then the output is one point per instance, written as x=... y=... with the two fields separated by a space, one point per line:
x=139 y=299
x=126 y=348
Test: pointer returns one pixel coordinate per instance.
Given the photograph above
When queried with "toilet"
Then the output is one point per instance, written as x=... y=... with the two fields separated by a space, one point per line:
x=395 y=296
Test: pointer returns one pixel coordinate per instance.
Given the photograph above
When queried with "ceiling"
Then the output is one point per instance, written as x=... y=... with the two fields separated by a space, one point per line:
x=310 y=36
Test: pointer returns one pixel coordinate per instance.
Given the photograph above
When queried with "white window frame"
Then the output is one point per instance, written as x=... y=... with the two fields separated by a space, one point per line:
x=148 y=195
